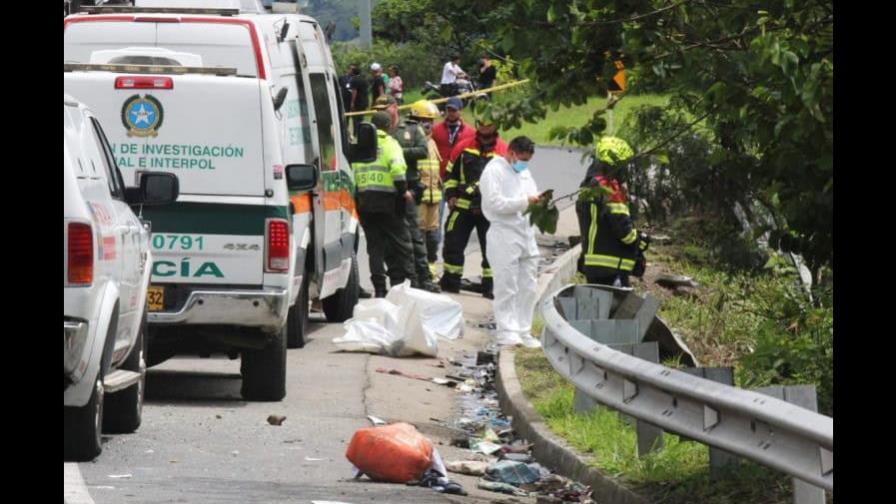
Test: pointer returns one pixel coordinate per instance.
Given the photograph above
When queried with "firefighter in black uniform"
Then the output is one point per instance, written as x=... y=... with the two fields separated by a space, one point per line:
x=465 y=166
x=612 y=249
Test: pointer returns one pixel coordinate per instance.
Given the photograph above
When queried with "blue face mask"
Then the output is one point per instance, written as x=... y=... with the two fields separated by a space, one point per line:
x=519 y=166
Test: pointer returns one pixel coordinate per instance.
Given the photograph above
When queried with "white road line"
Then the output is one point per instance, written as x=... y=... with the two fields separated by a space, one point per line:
x=75 y=489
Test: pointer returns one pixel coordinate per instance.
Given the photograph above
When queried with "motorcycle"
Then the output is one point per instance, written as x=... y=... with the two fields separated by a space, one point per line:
x=461 y=86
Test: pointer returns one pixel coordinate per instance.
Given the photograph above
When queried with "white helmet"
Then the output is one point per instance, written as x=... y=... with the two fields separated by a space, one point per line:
x=376 y=67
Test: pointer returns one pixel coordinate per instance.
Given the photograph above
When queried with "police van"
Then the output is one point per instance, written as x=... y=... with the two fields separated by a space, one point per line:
x=246 y=110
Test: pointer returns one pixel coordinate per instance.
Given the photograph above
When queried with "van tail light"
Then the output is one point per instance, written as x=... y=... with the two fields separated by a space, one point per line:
x=277 y=246
x=143 y=82
x=80 y=254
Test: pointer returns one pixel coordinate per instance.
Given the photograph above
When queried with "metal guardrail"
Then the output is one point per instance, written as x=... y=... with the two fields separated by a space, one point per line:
x=769 y=431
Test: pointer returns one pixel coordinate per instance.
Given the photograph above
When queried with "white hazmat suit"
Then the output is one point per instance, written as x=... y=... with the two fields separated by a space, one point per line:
x=512 y=251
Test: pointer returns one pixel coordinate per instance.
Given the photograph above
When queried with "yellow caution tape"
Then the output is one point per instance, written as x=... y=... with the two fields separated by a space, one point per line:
x=442 y=100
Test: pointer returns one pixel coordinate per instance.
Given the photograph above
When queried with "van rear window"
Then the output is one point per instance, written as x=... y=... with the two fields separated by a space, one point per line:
x=214 y=44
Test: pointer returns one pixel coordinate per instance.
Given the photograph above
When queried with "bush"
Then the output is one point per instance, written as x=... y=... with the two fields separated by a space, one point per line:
x=795 y=342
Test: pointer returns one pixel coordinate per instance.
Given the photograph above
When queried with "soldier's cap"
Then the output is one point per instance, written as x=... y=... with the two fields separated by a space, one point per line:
x=383 y=102
x=381 y=120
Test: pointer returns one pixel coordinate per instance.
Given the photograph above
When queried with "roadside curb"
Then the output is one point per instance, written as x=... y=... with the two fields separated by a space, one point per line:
x=548 y=448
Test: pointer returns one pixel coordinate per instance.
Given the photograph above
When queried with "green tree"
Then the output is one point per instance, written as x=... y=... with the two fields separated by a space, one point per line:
x=755 y=76
x=462 y=26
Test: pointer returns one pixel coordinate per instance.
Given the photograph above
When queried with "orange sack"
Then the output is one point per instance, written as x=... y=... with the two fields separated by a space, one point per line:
x=395 y=453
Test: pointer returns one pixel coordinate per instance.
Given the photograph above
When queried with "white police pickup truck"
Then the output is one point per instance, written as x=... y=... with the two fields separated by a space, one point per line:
x=106 y=274
x=246 y=109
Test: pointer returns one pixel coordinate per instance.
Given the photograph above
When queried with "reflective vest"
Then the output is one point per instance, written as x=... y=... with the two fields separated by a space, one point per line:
x=464 y=170
x=379 y=183
x=429 y=175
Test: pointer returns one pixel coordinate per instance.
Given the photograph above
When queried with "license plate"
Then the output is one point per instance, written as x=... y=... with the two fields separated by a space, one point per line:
x=155 y=298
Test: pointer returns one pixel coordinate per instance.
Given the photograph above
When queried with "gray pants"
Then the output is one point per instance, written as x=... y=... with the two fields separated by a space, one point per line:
x=418 y=248
x=387 y=237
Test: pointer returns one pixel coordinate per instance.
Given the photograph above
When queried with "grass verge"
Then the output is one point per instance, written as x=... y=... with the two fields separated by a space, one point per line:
x=676 y=474
x=579 y=114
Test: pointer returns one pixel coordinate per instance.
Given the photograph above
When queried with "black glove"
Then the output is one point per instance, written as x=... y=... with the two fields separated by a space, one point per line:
x=418 y=192
x=643 y=241
x=640 y=265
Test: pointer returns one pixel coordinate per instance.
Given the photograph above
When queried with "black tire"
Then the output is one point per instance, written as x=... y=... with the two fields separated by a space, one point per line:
x=124 y=409
x=339 y=306
x=297 y=320
x=83 y=426
x=264 y=370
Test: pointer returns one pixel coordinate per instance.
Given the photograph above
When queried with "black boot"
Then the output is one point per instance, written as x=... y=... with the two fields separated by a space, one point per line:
x=488 y=285
x=450 y=283
x=428 y=286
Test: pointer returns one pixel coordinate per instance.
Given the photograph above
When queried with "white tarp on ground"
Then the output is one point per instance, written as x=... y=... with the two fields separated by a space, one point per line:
x=406 y=322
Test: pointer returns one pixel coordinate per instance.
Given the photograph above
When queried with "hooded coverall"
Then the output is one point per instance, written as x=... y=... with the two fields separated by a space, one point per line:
x=513 y=252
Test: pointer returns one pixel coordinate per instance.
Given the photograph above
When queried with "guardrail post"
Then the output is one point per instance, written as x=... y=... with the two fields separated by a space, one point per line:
x=607 y=332
x=718 y=458
x=804 y=396
x=650 y=437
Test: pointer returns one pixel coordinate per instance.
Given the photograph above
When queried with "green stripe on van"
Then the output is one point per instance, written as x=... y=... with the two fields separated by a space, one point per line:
x=212 y=218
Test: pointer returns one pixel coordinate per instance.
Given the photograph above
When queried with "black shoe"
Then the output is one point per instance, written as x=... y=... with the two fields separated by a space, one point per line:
x=431 y=287
x=488 y=295
x=363 y=294
x=379 y=294
x=448 y=286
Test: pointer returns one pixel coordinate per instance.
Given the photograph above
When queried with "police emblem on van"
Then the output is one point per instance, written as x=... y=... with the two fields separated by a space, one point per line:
x=142 y=116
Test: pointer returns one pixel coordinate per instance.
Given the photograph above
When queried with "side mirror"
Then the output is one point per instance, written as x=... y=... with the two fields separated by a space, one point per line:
x=301 y=177
x=280 y=98
x=364 y=151
x=156 y=188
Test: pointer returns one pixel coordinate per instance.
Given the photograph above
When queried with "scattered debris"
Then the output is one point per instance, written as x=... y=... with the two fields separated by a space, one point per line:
x=660 y=238
x=150 y=451
x=401 y=373
x=483 y=358
x=436 y=477
x=218 y=417
x=235 y=453
x=517 y=457
x=444 y=382
x=485 y=447
x=376 y=420
x=121 y=476
x=276 y=419
x=672 y=281
x=515 y=473
x=496 y=486
x=469 y=467
x=312 y=459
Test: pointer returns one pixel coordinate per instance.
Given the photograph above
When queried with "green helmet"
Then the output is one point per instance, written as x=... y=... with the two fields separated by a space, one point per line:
x=611 y=150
